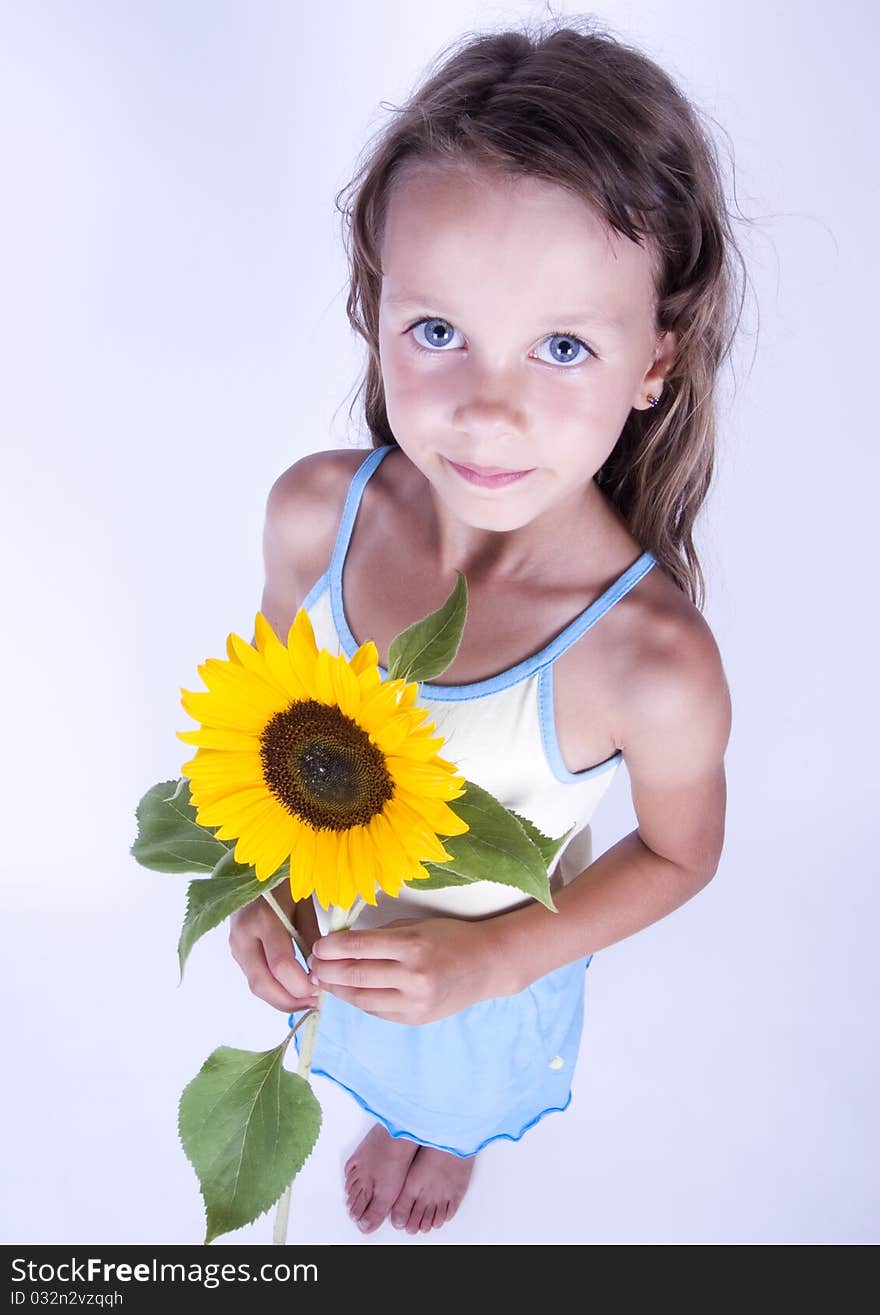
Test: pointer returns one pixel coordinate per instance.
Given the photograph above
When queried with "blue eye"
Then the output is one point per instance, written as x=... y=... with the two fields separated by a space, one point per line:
x=441 y=331
x=436 y=333
x=569 y=343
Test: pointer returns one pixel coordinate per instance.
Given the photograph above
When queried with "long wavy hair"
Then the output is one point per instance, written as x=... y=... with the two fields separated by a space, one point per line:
x=575 y=106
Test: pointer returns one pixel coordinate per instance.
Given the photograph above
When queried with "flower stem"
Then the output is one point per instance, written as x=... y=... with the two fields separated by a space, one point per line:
x=340 y=920
x=288 y=925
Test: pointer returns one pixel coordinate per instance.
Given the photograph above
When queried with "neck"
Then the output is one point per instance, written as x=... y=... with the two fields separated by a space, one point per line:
x=528 y=552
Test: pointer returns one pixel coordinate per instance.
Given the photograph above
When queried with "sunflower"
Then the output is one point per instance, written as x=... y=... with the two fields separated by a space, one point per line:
x=314 y=757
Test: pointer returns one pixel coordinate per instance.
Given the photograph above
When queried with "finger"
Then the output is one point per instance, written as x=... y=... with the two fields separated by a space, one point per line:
x=383 y=1004
x=285 y=968
x=361 y=974
x=263 y=982
x=377 y=943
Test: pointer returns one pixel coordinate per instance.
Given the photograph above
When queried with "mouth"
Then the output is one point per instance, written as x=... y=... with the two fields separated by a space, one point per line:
x=488 y=476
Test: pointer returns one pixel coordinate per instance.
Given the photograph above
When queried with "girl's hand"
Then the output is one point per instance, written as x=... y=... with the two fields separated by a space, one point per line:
x=414 y=970
x=264 y=952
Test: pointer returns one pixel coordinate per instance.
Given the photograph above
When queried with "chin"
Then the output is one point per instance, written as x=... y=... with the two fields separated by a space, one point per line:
x=486 y=515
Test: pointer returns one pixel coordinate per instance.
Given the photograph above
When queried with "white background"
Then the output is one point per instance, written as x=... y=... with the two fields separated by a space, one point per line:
x=173 y=336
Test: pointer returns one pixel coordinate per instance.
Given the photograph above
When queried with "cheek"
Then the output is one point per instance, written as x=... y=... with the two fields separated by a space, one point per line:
x=410 y=388
x=566 y=408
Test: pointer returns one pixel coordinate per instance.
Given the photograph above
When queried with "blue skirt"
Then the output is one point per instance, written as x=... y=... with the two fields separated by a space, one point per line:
x=492 y=1070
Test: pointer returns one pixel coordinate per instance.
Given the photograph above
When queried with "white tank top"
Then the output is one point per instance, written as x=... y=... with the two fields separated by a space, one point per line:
x=500 y=733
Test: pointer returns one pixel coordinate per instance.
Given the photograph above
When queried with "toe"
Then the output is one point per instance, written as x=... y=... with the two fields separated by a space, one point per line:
x=375 y=1211
x=428 y=1218
x=371 y=1217
x=400 y=1211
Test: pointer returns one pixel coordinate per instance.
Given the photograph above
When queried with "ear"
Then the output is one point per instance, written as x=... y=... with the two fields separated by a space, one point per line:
x=654 y=378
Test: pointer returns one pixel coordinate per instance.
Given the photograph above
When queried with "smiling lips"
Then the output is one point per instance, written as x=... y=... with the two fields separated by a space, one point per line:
x=488 y=477
x=491 y=470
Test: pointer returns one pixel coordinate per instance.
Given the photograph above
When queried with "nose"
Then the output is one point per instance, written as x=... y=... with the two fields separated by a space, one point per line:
x=491 y=409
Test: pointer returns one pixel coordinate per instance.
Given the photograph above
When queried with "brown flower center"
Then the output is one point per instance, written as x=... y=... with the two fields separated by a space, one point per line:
x=323 y=767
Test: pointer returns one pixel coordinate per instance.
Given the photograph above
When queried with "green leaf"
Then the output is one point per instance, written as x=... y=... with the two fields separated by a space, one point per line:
x=247 y=1127
x=549 y=848
x=209 y=902
x=227 y=866
x=495 y=848
x=427 y=647
x=440 y=877
x=170 y=839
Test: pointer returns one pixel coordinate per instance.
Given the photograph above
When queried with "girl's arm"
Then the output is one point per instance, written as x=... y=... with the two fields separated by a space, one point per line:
x=676 y=730
x=678 y=719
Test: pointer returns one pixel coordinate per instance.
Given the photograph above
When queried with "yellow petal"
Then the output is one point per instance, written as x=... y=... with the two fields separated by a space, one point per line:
x=302 y=625
x=264 y=633
x=327 y=876
x=278 y=659
x=302 y=647
x=223 y=713
x=237 y=685
x=231 y=809
x=347 y=893
x=346 y=690
x=278 y=676
x=381 y=703
x=414 y=832
x=437 y=815
x=275 y=841
x=392 y=735
x=230 y=769
x=323 y=688
x=393 y=860
x=421 y=778
x=366 y=659
x=369 y=680
x=301 y=885
x=421 y=748
x=409 y=695
x=362 y=859
x=222 y=805
x=218 y=738
x=302 y=865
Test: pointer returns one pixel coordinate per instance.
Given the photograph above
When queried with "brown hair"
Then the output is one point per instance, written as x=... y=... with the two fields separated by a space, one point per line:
x=577 y=107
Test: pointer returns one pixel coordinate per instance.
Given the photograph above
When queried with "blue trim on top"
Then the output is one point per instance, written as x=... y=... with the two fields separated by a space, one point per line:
x=478 y=688
x=316 y=590
x=340 y=548
x=550 y=740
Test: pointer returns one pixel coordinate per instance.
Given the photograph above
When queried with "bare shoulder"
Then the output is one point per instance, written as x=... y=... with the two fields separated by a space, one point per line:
x=303 y=511
x=675 y=723
x=675 y=682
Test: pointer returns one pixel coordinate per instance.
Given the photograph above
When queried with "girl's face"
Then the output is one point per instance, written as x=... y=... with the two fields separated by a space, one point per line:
x=513 y=333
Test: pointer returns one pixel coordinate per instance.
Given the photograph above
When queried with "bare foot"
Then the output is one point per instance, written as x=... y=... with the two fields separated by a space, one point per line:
x=374 y=1175
x=432 y=1191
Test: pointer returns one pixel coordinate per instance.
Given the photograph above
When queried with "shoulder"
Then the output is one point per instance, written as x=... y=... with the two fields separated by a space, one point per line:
x=305 y=495
x=675 y=723
x=304 y=506
x=677 y=706
x=302 y=515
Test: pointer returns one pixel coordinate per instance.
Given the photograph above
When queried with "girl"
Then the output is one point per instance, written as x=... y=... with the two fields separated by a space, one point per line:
x=540 y=267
